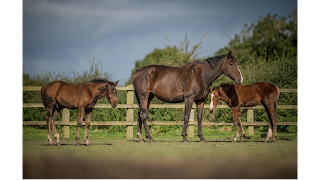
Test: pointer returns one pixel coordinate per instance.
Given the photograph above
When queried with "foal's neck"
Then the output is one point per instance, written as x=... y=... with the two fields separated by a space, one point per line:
x=100 y=90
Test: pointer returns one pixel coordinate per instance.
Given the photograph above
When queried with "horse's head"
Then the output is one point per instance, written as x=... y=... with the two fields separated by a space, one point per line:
x=230 y=68
x=111 y=93
x=214 y=98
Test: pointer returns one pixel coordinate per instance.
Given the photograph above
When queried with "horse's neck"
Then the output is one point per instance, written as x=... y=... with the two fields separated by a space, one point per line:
x=225 y=99
x=100 y=89
x=211 y=74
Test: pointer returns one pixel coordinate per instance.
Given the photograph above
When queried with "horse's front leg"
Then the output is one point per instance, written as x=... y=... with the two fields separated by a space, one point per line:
x=199 y=119
x=86 y=131
x=187 y=110
x=235 y=122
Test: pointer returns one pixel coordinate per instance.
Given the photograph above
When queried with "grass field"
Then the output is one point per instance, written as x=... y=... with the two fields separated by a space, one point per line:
x=118 y=157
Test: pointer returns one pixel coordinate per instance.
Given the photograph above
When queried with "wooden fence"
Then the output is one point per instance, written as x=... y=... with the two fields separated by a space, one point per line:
x=130 y=116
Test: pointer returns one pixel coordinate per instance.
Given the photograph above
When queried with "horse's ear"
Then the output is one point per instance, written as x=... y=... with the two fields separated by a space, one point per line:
x=116 y=83
x=107 y=82
x=229 y=56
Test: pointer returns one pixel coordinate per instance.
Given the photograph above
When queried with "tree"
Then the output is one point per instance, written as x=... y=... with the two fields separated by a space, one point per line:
x=262 y=41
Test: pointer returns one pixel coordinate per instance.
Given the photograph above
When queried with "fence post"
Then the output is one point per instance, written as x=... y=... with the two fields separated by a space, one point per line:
x=65 y=119
x=190 y=129
x=130 y=116
x=250 y=130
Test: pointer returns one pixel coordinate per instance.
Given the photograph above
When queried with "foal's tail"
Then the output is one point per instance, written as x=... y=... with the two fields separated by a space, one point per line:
x=42 y=98
x=276 y=102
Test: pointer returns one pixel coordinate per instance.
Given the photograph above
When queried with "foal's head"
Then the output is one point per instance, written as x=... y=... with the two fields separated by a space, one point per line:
x=230 y=68
x=111 y=93
x=214 y=98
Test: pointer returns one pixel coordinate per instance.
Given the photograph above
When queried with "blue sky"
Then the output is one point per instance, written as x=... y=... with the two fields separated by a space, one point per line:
x=60 y=36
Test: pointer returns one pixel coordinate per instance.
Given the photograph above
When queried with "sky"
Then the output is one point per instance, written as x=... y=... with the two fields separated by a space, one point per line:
x=63 y=36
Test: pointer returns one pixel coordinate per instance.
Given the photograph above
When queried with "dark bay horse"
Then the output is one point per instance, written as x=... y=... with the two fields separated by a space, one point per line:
x=188 y=83
x=237 y=96
x=83 y=96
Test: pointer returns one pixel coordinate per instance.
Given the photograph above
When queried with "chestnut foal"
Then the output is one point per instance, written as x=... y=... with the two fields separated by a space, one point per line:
x=237 y=96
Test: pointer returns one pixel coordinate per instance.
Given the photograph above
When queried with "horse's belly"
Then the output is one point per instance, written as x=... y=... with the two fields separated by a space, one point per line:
x=70 y=103
x=170 y=99
x=168 y=95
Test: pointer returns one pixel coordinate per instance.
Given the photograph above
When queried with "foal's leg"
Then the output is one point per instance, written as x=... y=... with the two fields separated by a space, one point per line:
x=241 y=128
x=187 y=110
x=272 y=130
x=273 y=118
x=199 y=119
x=54 y=129
x=235 y=122
x=79 y=124
x=86 y=131
x=48 y=119
x=269 y=135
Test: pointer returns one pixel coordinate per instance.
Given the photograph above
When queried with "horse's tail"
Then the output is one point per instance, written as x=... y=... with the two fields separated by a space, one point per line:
x=276 y=102
x=42 y=98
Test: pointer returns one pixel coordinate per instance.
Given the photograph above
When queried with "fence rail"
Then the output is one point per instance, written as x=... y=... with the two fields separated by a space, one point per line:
x=130 y=121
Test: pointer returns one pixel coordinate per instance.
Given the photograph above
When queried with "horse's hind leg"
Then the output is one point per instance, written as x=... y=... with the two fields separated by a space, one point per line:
x=86 y=131
x=269 y=135
x=48 y=119
x=54 y=129
x=79 y=124
x=139 y=134
x=241 y=129
x=272 y=115
x=144 y=117
x=144 y=100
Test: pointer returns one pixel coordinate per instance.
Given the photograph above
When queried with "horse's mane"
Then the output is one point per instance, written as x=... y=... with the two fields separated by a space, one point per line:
x=226 y=84
x=215 y=59
x=97 y=81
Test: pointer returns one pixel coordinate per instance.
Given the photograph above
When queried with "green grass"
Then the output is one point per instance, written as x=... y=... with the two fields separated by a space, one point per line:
x=115 y=156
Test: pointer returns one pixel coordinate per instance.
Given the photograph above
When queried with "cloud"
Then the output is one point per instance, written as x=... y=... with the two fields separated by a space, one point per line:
x=121 y=32
x=100 y=18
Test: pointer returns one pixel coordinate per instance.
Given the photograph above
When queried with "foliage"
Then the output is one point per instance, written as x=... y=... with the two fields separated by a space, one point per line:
x=261 y=41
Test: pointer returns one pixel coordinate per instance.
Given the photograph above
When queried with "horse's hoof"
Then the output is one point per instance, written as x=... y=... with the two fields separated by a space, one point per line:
x=78 y=145
x=51 y=144
x=203 y=141
x=88 y=144
x=58 y=144
x=141 y=140
x=151 y=140
x=185 y=140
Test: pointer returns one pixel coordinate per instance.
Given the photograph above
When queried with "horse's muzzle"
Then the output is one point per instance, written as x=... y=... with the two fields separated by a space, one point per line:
x=113 y=105
x=212 y=110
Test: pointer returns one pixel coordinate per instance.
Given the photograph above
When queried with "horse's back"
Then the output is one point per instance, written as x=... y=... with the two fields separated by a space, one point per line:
x=267 y=89
x=167 y=83
x=155 y=75
x=49 y=92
